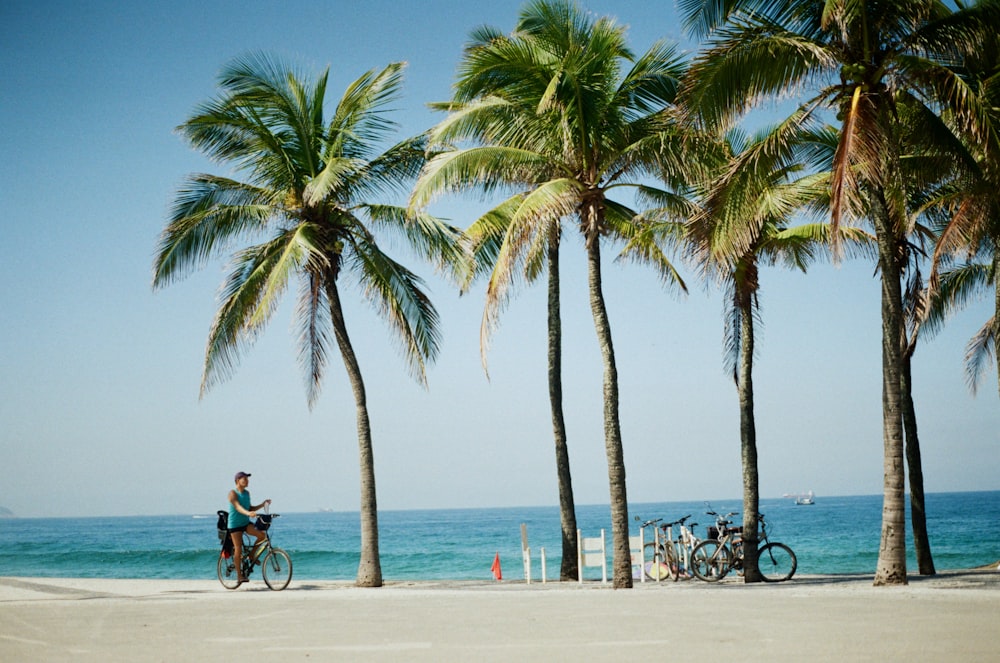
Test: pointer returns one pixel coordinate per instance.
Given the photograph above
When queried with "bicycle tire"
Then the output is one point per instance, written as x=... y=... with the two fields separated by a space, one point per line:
x=672 y=560
x=654 y=568
x=228 y=575
x=710 y=561
x=277 y=569
x=776 y=562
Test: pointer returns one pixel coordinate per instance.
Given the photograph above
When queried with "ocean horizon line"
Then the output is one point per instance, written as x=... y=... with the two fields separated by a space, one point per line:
x=7 y=514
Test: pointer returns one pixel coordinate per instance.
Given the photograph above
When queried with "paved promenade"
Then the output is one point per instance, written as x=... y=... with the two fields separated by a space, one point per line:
x=951 y=617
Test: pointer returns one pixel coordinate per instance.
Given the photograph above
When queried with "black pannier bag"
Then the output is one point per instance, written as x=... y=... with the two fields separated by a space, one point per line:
x=223 y=524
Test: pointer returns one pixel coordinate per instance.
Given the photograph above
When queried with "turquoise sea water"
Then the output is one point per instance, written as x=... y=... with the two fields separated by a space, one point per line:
x=835 y=535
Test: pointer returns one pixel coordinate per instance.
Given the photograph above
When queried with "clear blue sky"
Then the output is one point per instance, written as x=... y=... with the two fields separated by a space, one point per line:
x=99 y=375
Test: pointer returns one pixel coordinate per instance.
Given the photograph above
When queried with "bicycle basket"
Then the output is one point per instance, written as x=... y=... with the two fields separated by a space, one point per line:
x=263 y=522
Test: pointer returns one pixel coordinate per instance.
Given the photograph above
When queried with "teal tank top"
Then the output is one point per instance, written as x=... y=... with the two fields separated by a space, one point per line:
x=237 y=519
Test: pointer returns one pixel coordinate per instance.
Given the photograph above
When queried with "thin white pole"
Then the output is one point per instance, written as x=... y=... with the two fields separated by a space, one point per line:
x=525 y=553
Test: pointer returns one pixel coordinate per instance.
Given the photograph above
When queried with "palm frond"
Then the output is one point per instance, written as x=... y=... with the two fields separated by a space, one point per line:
x=981 y=349
x=360 y=120
x=315 y=326
x=259 y=276
x=744 y=64
x=732 y=331
x=486 y=235
x=397 y=296
x=528 y=227
x=430 y=237
x=844 y=191
x=335 y=175
x=390 y=173
x=488 y=167
x=208 y=215
x=653 y=81
x=956 y=288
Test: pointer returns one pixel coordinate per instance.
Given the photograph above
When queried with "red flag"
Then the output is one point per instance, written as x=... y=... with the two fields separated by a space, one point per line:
x=496 y=568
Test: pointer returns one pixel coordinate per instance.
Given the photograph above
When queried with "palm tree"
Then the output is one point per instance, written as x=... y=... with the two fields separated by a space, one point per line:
x=929 y=162
x=866 y=60
x=743 y=224
x=554 y=119
x=304 y=210
x=915 y=302
x=961 y=200
x=966 y=262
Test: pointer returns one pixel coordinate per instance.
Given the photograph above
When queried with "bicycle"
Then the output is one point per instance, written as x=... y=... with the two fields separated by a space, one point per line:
x=687 y=541
x=276 y=565
x=713 y=558
x=655 y=569
x=665 y=552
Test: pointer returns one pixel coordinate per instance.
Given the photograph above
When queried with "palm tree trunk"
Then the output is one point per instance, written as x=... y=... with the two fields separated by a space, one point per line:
x=567 y=510
x=918 y=513
x=369 y=568
x=891 y=566
x=748 y=448
x=996 y=309
x=622 y=565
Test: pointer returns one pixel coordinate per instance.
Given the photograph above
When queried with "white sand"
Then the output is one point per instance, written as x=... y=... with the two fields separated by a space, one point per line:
x=951 y=617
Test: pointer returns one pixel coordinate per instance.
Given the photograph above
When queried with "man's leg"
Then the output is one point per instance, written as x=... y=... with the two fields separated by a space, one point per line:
x=257 y=534
x=238 y=554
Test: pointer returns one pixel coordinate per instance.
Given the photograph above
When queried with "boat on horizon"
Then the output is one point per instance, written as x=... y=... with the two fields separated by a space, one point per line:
x=802 y=498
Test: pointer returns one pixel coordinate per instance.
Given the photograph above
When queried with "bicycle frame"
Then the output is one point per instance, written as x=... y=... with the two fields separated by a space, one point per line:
x=686 y=544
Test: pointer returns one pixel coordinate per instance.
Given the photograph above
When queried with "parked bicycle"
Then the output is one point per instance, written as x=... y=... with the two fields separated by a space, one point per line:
x=275 y=564
x=658 y=566
x=669 y=557
x=722 y=551
x=687 y=541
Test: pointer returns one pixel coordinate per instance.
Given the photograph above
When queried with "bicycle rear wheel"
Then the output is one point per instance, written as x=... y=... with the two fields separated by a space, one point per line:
x=673 y=561
x=228 y=575
x=277 y=569
x=776 y=562
x=710 y=561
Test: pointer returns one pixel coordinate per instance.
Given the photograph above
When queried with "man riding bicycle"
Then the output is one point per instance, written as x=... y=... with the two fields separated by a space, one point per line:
x=241 y=510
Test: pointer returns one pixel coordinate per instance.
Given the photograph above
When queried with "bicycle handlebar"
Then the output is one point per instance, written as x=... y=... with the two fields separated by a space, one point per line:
x=676 y=522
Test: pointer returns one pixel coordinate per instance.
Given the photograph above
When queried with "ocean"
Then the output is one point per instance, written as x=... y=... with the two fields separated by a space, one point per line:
x=834 y=535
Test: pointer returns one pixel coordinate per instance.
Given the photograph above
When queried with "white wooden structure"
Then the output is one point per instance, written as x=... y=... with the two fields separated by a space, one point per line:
x=591 y=552
x=637 y=551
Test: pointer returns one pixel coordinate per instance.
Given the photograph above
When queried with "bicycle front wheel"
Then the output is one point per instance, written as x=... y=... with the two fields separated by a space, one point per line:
x=654 y=568
x=277 y=569
x=228 y=575
x=776 y=562
x=710 y=561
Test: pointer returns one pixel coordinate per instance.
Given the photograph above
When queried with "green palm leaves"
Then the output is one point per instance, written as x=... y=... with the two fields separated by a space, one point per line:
x=307 y=201
x=550 y=115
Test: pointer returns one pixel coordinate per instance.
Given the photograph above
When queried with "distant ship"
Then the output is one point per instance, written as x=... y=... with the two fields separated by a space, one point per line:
x=802 y=498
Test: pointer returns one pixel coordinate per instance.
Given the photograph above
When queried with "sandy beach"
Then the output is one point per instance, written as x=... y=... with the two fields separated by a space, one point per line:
x=950 y=617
